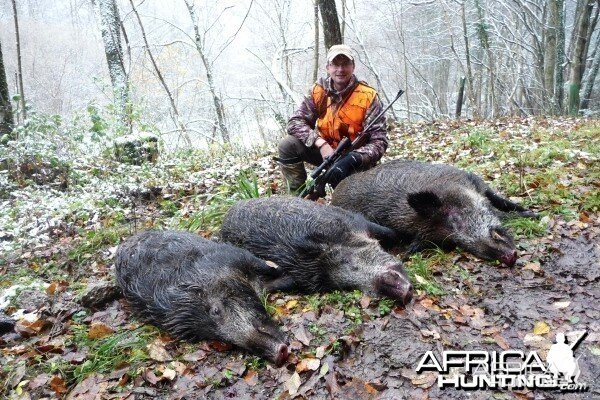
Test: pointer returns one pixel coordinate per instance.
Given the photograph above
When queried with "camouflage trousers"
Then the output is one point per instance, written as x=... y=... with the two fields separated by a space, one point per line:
x=292 y=155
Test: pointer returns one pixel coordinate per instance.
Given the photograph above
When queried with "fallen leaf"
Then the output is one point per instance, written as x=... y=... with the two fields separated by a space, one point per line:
x=75 y=357
x=195 y=356
x=491 y=331
x=324 y=369
x=150 y=377
x=99 y=330
x=179 y=367
x=428 y=333
x=424 y=380
x=306 y=364
x=561 y=304
x=39 y=381
x=57 y=287
x=500 y=341
x=291 y=304
x=537 y=341
x=302 y=335
x=320 y=351
x=429 y=304
x=58 y=385
x=169 y=374
x=30 y=324
x=541 y=328
x=157 y=351
x=532 y=266
x=219 y=346
x=364 y=302
x=293 y=384
x=16 y=376
x=251 y=377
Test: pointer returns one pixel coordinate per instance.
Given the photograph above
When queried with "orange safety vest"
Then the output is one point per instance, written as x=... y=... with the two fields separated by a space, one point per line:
x=333 y=123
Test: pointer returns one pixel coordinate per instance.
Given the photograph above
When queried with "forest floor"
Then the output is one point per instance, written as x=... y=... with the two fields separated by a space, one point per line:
x=56 y=245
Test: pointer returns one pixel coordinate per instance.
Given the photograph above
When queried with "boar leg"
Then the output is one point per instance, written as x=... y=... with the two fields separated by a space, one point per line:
x=6 y=324
x=418 y=245
x=385 y=236
x=265 y=269
x=506 y=205
x=281 y=284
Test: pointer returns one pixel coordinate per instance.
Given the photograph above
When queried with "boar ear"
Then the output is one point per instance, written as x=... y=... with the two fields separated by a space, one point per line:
x=310 y=245
x=265 y=269
x=426 y=204
x=192 y=288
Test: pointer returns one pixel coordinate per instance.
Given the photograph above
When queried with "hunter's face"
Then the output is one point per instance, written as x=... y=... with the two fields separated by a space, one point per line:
x=340 y=69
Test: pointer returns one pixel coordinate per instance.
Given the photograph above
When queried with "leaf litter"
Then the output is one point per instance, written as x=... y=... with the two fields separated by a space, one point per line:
x=358 y=348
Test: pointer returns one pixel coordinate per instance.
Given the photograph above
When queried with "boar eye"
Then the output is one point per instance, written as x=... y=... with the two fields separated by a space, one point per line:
x=215 y=312
x=497 y=235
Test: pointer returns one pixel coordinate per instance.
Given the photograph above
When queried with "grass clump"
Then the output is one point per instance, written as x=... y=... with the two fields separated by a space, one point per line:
x=419 y=268
x=125 y=348
x=95 y=241
x=526 y=227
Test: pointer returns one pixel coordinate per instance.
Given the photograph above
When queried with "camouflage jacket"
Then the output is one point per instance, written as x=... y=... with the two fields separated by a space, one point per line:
x=302 y=123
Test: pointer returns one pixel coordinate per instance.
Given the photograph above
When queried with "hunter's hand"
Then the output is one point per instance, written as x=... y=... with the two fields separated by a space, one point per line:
x=324 y=148
x=345 y=166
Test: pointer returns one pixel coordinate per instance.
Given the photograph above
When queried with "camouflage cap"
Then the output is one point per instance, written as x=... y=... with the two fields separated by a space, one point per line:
x=338 y=49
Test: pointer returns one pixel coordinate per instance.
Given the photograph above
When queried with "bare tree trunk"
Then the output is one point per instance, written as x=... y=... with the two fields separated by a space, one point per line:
x=559 y=71
x=19 y=64
x=484 y=41
x=331 y=24
x=578 y=62
x=368 y=62
x=316 y=57
x=550 y=50
x=209 y=75
x=110 y=24
x=6 y=117
x=470 y=83
x=459 y=101
x=343 y=23
x=591 y=29
x=591 y=77
x=176 y=117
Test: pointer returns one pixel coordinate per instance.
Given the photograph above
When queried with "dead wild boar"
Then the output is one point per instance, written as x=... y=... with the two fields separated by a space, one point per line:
x=433 y=204
x=318 y=247
x=196 y=289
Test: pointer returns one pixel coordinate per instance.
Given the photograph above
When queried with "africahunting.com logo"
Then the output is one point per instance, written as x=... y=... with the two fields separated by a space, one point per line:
x=510 y=369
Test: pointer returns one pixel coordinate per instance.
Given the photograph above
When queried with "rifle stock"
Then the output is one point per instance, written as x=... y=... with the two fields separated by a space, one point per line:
x=316 y=188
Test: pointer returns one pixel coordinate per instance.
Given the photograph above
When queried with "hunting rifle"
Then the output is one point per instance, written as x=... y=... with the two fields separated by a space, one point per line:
x=316 y=188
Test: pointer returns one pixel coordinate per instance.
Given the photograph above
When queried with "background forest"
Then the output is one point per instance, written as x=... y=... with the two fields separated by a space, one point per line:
x=233 y=70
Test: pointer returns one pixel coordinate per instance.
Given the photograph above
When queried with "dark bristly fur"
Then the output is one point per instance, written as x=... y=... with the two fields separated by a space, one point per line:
x=318 y=248
x=433 y=204
x=196 y=289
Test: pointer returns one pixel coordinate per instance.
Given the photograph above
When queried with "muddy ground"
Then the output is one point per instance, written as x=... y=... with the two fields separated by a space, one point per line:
x=345 y=346
x=486 y=308
x=494 y=309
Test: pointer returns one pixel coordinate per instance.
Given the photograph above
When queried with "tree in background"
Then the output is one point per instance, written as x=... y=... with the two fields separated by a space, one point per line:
x=332 y=34
x=20 y=68
x=110 y=24
x=176 y=117
x=593 y=57
x=579 y=55
x=550 y=52
x=6 y=116
x=559 y=74
x=199 y=41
